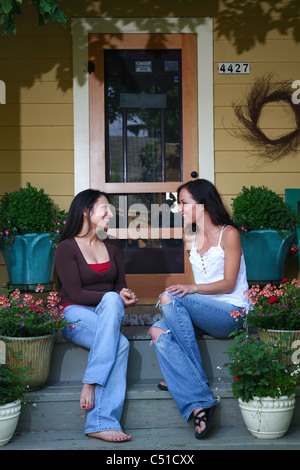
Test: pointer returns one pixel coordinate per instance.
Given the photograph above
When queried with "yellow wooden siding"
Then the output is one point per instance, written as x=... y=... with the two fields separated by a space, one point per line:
x=36 y=124
x=236 y=162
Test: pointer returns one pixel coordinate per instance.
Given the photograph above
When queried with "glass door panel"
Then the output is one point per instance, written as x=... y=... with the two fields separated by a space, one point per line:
x=143 y=115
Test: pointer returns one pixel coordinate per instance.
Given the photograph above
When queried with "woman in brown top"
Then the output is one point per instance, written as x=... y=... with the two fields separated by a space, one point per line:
x=90 y=270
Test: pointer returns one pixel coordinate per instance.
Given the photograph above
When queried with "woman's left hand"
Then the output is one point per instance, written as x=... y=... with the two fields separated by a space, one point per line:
x=184 y=289
x=129 y=298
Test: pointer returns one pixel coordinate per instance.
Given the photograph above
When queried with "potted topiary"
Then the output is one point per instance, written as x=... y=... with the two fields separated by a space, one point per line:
x=267 y=227
x=29 y=228
x=264 y=383
x=12 y=388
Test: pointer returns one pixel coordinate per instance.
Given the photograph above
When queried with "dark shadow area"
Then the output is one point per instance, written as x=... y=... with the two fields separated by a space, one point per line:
x=244 y=22
x=48 y=48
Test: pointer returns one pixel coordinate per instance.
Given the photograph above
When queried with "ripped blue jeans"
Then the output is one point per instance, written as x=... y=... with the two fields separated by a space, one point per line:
x=178 y=352
x=99 y=331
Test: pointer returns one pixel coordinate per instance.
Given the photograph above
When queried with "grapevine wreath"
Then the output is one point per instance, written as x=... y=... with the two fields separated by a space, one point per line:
x=263 y=92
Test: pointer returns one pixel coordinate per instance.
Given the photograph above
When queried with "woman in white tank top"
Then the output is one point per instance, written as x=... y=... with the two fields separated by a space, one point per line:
x=219 y=287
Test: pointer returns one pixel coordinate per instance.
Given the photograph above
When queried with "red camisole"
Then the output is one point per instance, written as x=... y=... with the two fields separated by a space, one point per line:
x=99 y=268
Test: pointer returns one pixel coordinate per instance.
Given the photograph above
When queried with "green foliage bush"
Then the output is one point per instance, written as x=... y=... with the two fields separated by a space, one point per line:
x=29 y=210
x=13 y=383
x=259 y=208
x=259 y=369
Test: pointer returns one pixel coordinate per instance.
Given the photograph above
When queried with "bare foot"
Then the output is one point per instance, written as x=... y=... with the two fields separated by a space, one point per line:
x=112 y=436
x=87 y=397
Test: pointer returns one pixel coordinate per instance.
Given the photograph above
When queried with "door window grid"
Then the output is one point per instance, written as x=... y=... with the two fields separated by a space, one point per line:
x=134 y=132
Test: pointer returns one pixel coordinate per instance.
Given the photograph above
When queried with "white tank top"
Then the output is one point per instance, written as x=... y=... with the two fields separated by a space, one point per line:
x=210 y=268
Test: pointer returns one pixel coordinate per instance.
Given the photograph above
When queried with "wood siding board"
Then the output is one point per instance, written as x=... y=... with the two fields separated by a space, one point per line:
x=233 y=183
x=241 y=161
x=27 y=71
x=272 y=51
x=27 y=138
x=53 y=184
x=58 y=47
x=33 y=114
x=37 y=161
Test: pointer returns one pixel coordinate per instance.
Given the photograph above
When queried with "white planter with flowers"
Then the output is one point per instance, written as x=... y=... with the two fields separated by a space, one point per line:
x=264 y=383
x=9 y=417
x=266 y=417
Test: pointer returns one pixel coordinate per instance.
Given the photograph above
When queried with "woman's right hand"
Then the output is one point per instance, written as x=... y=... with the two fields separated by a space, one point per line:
x=183 y=289
x=129 y=298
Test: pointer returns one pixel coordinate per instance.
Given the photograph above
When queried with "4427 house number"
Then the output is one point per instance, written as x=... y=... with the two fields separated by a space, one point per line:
x=234 y=68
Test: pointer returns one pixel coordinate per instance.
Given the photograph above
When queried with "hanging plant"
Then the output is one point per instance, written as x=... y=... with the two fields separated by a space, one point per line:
x=248 y=113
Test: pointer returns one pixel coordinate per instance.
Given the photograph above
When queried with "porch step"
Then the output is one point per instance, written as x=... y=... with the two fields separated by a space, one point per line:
x=155 y=444
x=52 y=420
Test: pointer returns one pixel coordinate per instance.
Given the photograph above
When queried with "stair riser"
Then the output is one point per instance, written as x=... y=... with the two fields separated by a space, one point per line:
x=69 y=361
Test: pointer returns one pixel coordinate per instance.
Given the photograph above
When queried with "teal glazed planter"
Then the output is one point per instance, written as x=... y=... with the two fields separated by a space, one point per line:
x=30 y=259
x=265 y=253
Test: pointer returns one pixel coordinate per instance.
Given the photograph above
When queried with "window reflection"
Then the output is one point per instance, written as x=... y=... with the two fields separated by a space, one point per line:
x=143 y=116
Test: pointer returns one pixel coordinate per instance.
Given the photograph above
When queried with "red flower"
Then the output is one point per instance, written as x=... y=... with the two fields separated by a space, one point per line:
x=273 y=300
x=284 y=280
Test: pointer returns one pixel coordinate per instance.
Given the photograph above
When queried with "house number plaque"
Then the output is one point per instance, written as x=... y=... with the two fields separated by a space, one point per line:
x=234 y=68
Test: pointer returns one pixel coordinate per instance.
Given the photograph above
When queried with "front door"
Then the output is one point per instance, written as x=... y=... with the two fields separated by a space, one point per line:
x=143 y=145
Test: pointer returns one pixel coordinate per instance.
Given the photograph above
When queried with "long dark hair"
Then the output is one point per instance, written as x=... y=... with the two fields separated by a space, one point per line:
x=82 y=201
x=204 y=192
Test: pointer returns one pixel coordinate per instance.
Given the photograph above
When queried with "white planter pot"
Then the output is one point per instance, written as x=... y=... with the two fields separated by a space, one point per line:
x=9 y=416
x=268 y=418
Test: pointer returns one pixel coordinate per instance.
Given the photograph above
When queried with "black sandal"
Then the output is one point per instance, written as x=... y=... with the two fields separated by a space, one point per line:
x=162 y=387
x=206 y=418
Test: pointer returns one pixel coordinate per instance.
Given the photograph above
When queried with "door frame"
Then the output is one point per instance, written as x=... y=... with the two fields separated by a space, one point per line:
x=81 y=27
x=98 y=43
x=147 y=286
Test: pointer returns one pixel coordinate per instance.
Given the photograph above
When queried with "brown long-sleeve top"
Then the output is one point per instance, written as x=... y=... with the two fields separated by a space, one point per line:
x=80 y=283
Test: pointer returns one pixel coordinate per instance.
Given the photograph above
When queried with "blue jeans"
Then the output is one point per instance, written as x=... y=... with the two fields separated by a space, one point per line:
x=99 y=331
x=178 y=352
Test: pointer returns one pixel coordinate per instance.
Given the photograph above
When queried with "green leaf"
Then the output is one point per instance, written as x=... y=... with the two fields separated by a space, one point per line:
x=7 y=6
